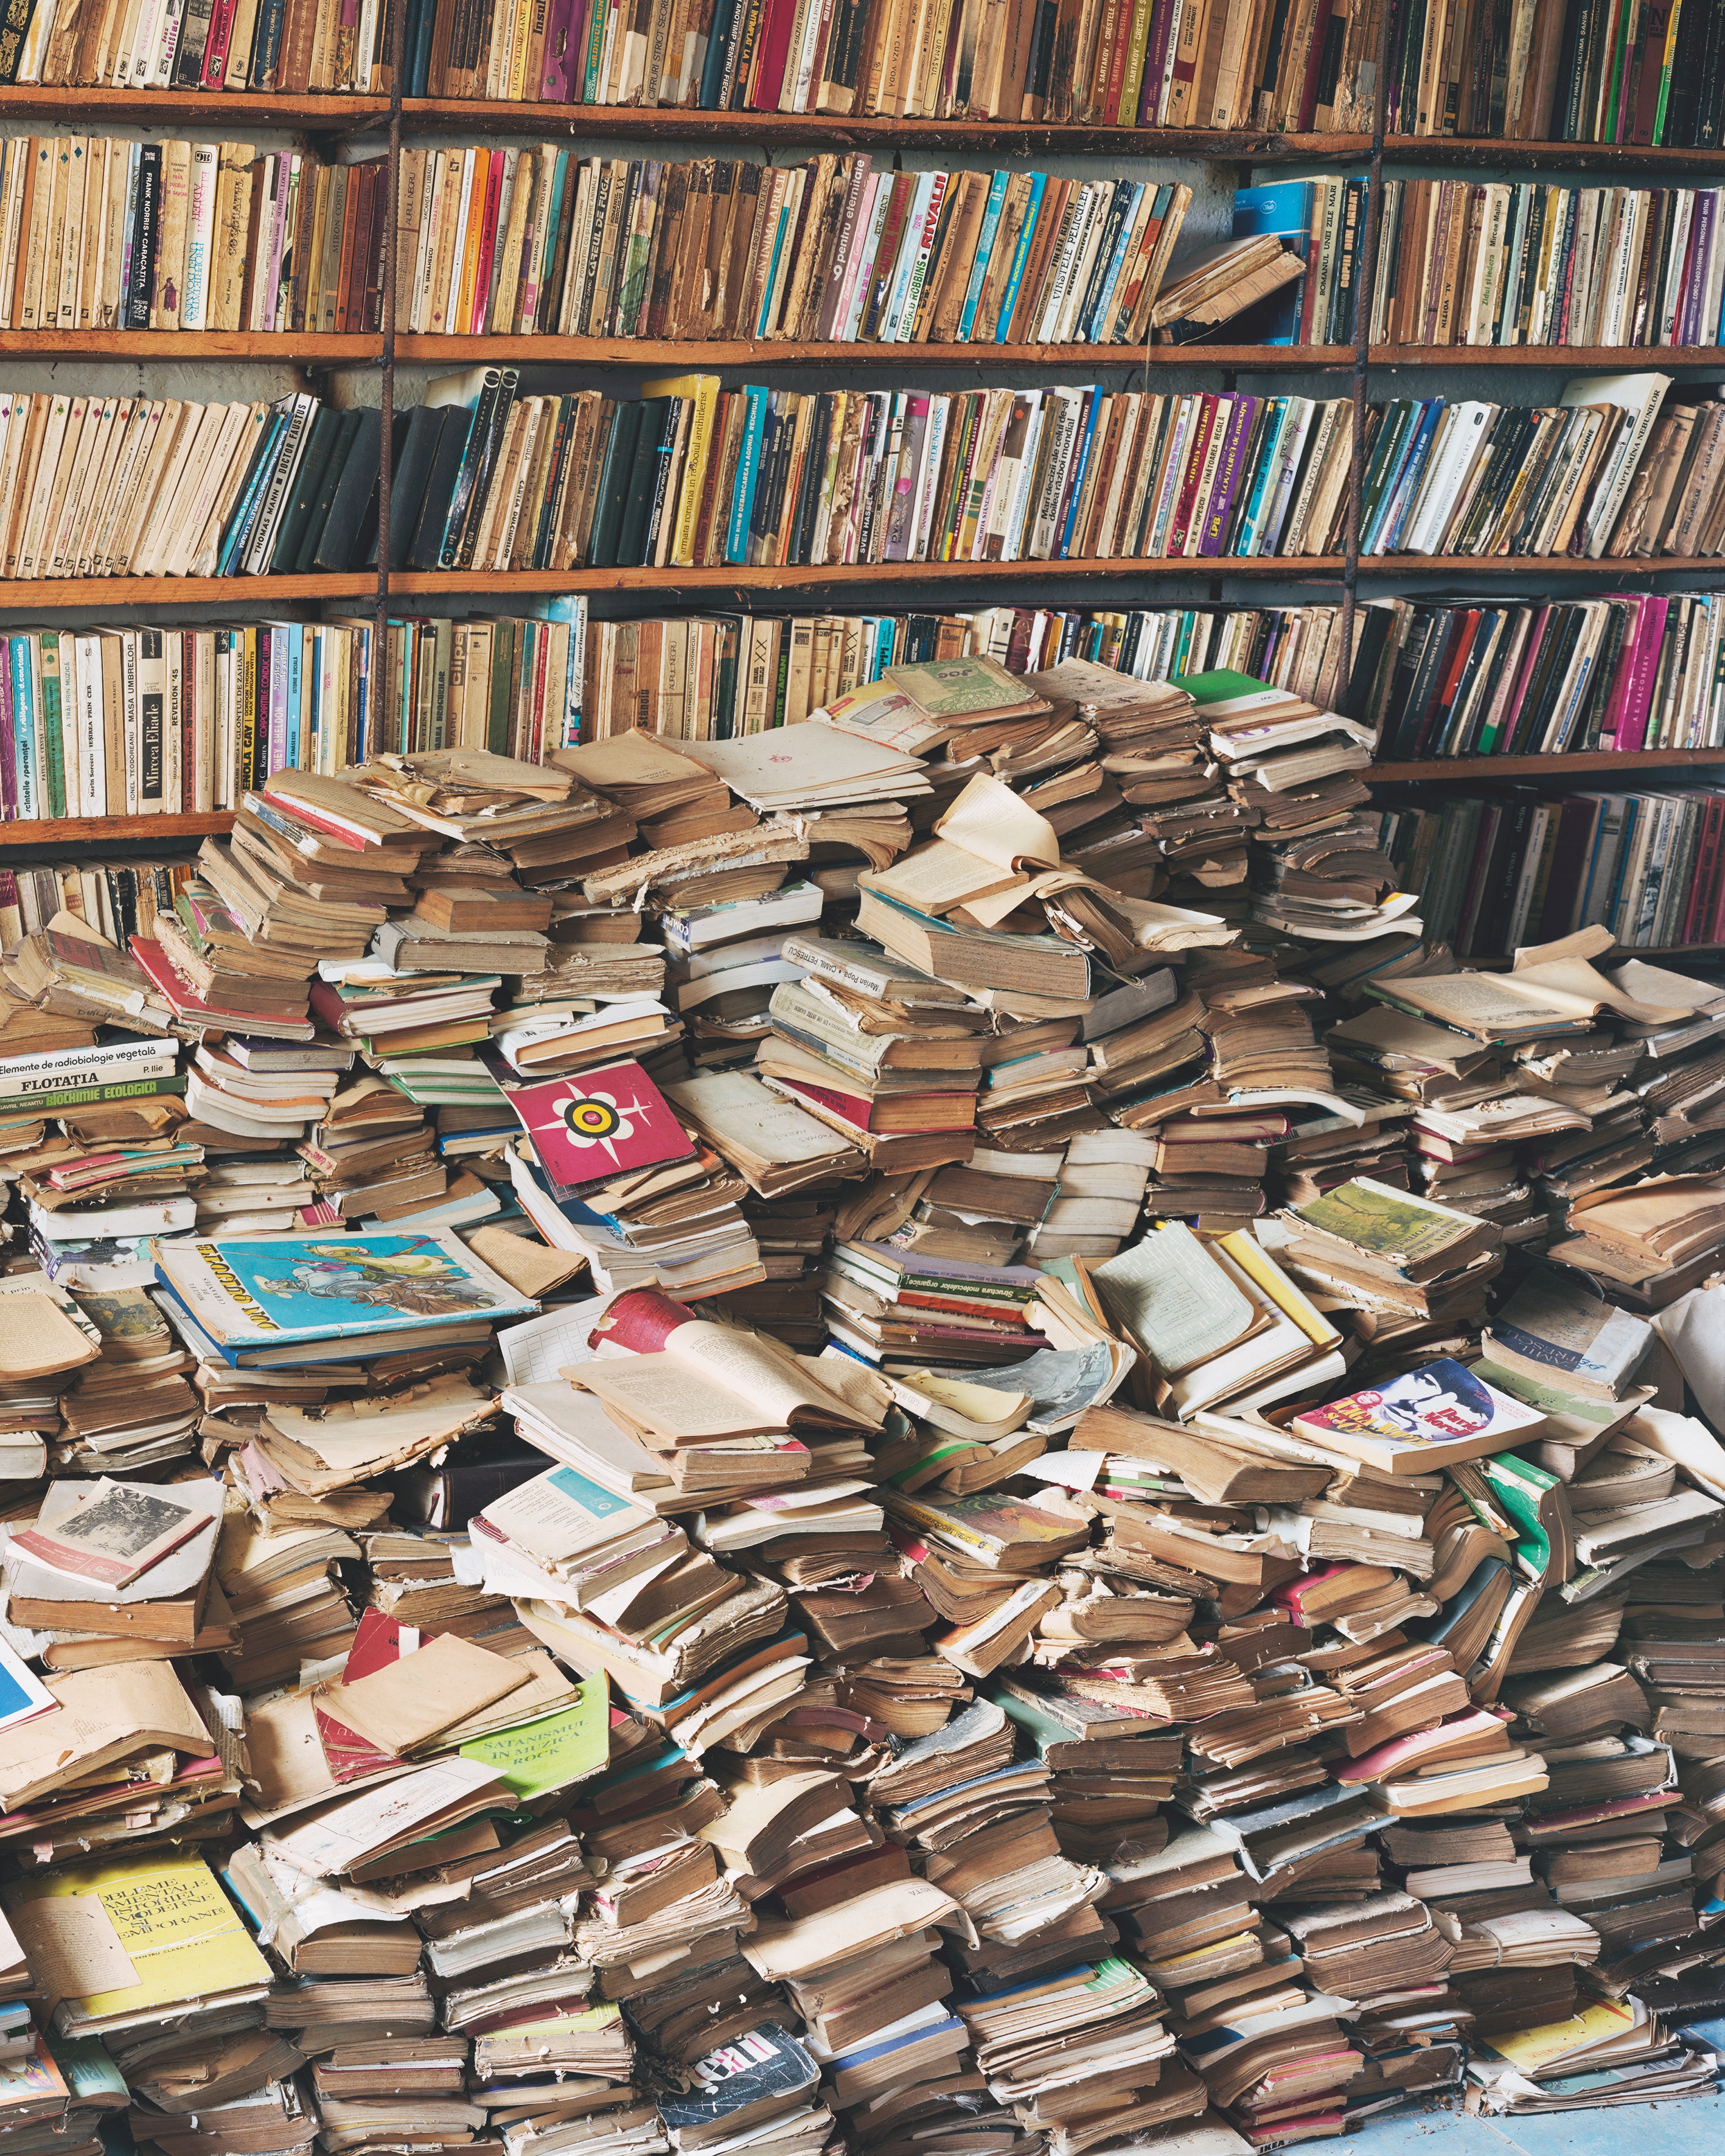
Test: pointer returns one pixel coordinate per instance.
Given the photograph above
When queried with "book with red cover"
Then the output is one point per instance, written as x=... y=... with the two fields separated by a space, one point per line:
x=590 y=1125
x=151 y=956
x=863 y=1110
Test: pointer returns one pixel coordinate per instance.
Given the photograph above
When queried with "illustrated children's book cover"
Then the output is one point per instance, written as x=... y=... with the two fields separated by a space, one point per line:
x=277 y=1290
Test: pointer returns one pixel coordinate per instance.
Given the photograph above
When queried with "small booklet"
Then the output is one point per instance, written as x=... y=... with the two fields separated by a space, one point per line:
x=114 y=1532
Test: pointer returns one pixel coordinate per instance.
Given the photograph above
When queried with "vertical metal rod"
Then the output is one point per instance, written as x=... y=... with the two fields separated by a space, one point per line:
x=385 y=399
x=1364 y=284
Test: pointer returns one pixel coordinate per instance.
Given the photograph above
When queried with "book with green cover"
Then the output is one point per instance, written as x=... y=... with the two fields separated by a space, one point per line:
x=1222 y=685
x=1391 y=1224
x=1533 y=1500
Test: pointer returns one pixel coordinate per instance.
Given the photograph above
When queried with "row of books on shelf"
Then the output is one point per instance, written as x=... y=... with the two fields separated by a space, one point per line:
x=1531 y=263
x=118 y=899
x=840 y=249
x=689 y=475
x=1466 y=476
x=1562 y=70
x=1624 y=672
x=102 y=485
x=766 y=477
x=100 y=233
x=1573 y=71
x=693 y=474
x=140 y=721
x=1498 y=871
x=289 y=46
x=97 y=232
x=1162 y=63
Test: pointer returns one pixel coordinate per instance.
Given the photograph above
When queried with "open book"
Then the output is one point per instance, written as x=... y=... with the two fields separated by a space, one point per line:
x=688 y=1381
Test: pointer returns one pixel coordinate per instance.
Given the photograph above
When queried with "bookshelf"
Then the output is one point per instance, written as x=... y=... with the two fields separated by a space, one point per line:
x=329 y=120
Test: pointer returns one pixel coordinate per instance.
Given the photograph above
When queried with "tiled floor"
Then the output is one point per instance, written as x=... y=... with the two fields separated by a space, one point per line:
x=1696 y=2127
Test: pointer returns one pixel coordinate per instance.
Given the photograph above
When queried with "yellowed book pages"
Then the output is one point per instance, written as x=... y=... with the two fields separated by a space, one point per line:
x=409 y=214
x=513 y=492
x=525 y=184
x=105 y=308
x=496 y=500
x=47 y=214
x=141 y=424
x=71 y=253
x=40 y=481
x=116 y=421
x=465 y=241
x=322 y=75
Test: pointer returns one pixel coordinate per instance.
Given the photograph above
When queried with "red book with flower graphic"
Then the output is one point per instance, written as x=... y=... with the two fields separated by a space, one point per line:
x=590 y=1125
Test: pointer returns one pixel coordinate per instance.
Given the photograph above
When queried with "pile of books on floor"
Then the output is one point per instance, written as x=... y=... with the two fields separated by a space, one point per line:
x=910 y=1431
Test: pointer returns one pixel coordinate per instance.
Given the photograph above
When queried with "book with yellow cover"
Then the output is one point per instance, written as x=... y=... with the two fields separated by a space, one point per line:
x=119 y=1944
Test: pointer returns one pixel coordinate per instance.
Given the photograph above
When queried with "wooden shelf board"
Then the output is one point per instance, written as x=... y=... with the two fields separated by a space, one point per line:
x=108 y=592
x=305 y=351
x=631 y=351
x=107 y=830
x=795 y=578
x=838 y=131
x=145 y=108
x=340 y=113
x=1545 y=355
x=1546 y=157
x=1557 y=767
x=366 y=348
x=1536 y=565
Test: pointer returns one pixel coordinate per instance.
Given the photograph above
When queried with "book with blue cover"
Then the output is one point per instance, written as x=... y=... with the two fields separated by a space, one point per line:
x=283 y=1290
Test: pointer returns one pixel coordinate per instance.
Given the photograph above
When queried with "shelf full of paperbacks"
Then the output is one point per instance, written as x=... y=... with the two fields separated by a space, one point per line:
x=101 y=234
x=1130 y=1553
x=1514 y=866
x=142 y=721
x=1533 y=70
x=695 y=475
